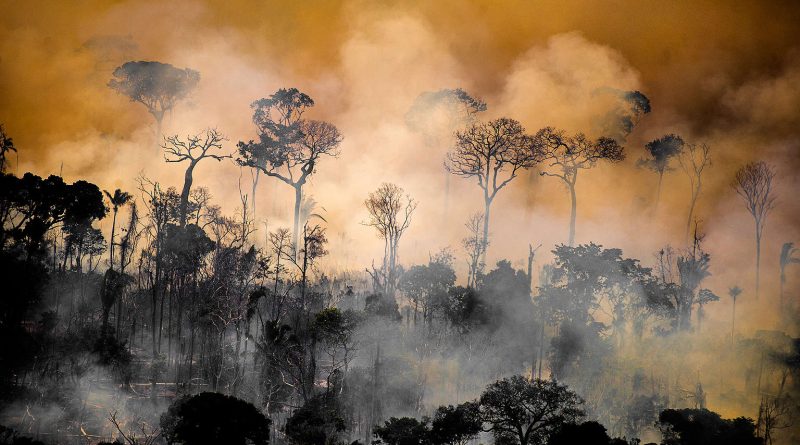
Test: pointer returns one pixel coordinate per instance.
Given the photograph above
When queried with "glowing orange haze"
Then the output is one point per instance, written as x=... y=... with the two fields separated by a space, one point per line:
x=715 y=73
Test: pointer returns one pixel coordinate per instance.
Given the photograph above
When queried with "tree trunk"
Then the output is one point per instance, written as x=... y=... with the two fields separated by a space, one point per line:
x=486 y=212
x=113 y=229
x=187 y=187
x=298 y=196
x=658 y=190
x=572 y=214
x=758 y=258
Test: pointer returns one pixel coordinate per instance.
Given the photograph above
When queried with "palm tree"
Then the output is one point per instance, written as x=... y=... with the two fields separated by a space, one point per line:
x=787 y=257
x=734 y=292
x=118 y=199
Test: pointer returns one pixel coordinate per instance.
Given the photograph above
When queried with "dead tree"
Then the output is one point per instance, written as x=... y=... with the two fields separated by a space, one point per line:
x=753 y=182
x=193 y=150
x=693 y=160
x=493 y=153
x=390 y=211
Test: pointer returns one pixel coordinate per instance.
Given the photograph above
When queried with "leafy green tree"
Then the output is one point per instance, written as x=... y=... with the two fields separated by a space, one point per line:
x=529 y=411
x=455 y=425
x=403 y=431
x=210 y=419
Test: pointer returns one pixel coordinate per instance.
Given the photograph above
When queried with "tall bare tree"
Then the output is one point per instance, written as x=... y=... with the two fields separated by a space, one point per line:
x=475 y=246
x=493 y=153
x=787 y=257
x=158 y=86
x=693 y=160
x=660 y=152
x=753 y=182
x=193 y=150
x=390 y=211
x=566 y=155
x=289 y=146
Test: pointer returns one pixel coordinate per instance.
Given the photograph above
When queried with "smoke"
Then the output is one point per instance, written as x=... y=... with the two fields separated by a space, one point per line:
x=714 y=75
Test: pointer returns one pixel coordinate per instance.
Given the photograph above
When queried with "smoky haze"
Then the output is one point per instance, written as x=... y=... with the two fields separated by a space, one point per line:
x=715 y=74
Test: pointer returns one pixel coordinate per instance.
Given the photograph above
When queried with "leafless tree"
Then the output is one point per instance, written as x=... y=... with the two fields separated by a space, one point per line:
x=390 y=211
x=289 y=146
x=693 y=160
x=475 y=246
x=753 y=182
x=566 y=155
x=194 y=149
x=493 y=153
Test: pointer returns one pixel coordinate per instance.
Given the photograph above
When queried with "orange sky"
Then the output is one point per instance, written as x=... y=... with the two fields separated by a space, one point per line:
x=724 y=73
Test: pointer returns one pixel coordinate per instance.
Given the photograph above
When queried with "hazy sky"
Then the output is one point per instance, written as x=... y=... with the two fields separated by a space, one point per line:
x=722 y=73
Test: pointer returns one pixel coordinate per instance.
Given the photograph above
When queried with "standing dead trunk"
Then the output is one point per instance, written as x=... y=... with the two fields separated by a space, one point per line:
x=573 y=211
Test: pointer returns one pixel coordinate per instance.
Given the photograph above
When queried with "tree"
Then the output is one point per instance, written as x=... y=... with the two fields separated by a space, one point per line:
x=194 y=149
x=566 y=155
x=317 y=422
x=586 y=433
x=787 y=257
x=158 y=86
x=117 y=200
x=6 y=147
x=529 y=411
x=403 y=431
x=475 y=245
x=390 y=213
x=492 y=153
x=210 y=418
x=753 y=182
x=704 y=427
x=424 y=284
x=289 y=146
x=693 y=160
x=661 y=151
x=455 y=425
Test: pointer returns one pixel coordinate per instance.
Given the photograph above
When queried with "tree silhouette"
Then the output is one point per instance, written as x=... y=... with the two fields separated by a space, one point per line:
x=475 y=245
x=661 y=151
x=753 y=182
x=210 y=418
x=6 y=147
x=194 y=149
x=693 y=160
x=289 y=146
x=528 y=412
x=493 y=153
x=117 y=200
x=455 y=425
x=787 y=257
x=565 y=156
x=390 y=213
x=158 y=86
